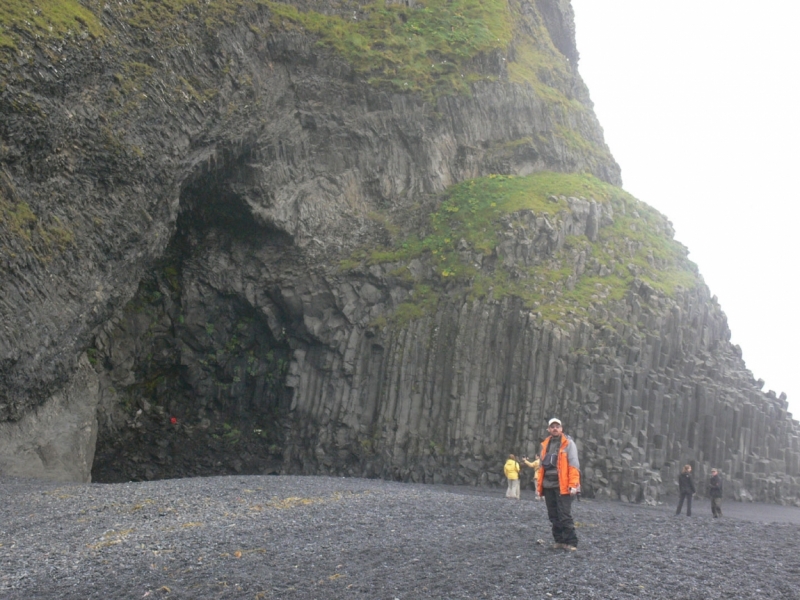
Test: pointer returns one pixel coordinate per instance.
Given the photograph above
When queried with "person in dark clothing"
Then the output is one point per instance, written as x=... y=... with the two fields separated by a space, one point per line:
x=715 y=493
x=686 y=490
x=559 y=481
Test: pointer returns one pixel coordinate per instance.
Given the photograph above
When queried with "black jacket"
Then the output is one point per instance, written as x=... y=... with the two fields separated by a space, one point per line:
x=686 y=483
x=715 y=486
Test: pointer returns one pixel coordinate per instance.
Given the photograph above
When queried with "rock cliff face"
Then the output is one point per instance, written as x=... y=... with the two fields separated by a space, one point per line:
x=233 y=242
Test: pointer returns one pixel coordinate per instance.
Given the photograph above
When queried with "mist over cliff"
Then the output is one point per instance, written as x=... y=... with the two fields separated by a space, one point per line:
x=372 y=239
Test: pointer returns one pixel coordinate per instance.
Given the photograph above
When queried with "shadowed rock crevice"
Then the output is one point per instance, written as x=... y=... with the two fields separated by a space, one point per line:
x=193 y=377
x=218 y=201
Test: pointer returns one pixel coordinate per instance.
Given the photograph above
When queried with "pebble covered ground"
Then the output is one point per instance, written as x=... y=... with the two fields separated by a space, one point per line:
x=325 y=538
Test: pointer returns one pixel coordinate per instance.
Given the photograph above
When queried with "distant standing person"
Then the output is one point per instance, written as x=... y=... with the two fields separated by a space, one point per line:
x=686 y=490
x=715 y=493
x=559 y=481
x=511 y=470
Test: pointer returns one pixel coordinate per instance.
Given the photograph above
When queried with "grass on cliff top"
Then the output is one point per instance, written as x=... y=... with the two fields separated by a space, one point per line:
x=45 y=19
x=474 y=213
x=472 y=210
x=432 y=48
x=380 y=37
x=426 y=48
x=55 y=20
x=429 y=48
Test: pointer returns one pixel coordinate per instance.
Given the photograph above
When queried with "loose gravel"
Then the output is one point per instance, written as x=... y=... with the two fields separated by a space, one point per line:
x=326 y=538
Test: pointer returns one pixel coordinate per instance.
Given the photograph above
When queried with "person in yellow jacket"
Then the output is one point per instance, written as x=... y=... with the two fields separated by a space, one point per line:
x=511 y=470
x=559 y=480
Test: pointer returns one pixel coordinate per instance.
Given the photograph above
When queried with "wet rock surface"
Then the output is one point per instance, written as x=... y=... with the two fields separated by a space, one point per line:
x=319 y=537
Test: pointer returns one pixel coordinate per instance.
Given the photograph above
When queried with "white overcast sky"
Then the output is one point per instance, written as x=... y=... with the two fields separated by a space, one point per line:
x=700 y=102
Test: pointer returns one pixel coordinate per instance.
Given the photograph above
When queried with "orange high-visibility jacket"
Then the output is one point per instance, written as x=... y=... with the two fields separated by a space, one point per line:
x=569 y=469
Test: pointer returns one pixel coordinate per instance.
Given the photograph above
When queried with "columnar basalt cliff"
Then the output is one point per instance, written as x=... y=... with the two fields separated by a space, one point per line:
x=372 y=239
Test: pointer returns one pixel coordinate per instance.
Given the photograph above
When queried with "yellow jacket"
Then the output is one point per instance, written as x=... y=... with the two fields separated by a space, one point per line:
x=511 y=469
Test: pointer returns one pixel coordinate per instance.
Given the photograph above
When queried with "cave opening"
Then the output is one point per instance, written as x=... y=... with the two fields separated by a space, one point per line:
x=194 y=375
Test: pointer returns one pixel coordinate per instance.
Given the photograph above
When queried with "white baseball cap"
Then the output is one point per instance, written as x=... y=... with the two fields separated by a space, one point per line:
x=553 y=420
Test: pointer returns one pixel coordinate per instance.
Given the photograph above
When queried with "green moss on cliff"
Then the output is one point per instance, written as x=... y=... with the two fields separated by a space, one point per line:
x=535 y=61
x=29 y=233
x=425 y=49
x=45 y=19
x=435 y=48
x=22 y=231
x=55 y=20
x=573 y=140
x=475 y=216
x=430 y=48
x=471 y=211
x=17 y=218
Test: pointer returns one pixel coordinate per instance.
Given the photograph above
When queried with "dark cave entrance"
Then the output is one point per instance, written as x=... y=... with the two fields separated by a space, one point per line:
x=196 y=375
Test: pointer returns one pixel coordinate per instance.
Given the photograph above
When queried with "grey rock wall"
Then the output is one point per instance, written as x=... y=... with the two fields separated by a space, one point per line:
x=644 y=384
x=57 y=439
x=274 y=129
x=647 y=384
x=172 y=287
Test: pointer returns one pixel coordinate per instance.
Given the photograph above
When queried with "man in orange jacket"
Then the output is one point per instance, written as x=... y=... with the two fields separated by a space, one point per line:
x=559 y=481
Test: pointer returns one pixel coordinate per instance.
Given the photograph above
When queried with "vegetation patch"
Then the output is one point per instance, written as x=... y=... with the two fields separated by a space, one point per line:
x=471 y=211
x=422 y=301
x=575 y=141
x=57 y=20
x=536 y=61
x=432 y=48
x=473 y=215
x=45 y=19
x=427 y=48
x=30 y=233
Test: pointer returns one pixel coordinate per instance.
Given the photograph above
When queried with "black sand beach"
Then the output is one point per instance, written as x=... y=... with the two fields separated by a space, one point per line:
x=318 y=537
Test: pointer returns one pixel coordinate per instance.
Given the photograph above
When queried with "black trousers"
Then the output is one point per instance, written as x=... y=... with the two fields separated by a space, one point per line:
x=559 y=511
x=688 y=498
